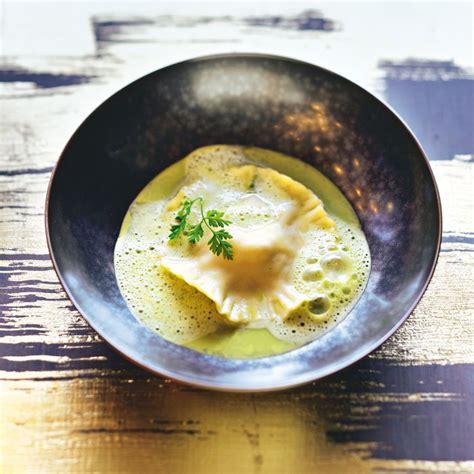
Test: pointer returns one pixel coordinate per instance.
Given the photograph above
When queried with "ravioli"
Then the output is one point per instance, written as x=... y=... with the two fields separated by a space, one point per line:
x=258 y=284
x=297 y=266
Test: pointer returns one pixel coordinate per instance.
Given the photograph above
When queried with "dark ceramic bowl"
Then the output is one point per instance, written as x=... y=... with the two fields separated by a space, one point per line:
x=265 y=101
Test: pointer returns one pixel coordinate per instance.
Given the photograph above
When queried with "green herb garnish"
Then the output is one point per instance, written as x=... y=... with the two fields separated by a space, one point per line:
x=212 y=219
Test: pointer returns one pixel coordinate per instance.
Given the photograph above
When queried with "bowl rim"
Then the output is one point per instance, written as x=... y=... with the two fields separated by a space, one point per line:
x=312 y=374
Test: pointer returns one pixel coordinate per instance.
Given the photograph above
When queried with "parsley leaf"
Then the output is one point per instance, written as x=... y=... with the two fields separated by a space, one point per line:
x=195 y=232
x=218 y=245
x=212 y=219
x=181 y=217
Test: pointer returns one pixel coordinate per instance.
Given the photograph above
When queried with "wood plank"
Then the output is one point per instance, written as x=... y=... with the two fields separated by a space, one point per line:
x=142 y=424
x=68 y=403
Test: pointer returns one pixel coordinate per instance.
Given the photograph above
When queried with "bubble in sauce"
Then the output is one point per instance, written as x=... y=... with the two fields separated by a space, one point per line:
x=337 y=266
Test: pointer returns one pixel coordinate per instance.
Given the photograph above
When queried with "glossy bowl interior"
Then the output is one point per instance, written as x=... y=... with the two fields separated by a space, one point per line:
x=271 y=102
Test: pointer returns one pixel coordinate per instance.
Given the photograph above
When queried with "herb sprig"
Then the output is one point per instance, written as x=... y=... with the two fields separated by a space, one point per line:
x=212 y=219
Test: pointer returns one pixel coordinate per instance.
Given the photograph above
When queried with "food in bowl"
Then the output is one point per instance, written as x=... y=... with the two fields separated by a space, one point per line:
x=241 y=252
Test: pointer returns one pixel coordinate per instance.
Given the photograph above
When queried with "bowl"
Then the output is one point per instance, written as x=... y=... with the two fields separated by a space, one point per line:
x=246 y=99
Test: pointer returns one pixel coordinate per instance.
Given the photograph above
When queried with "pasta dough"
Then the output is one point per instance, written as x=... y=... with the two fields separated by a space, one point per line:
x=258 y=284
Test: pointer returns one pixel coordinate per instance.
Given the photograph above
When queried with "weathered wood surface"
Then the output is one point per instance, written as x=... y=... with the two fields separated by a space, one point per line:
x=68 y=403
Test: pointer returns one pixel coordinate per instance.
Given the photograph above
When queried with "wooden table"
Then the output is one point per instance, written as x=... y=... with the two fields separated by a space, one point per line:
x=68 y=403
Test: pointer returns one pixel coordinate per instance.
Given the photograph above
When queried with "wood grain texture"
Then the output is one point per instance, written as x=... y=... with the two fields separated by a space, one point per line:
x=68 y=403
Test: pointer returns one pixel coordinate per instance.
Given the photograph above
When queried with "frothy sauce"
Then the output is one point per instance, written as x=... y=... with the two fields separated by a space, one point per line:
x=333 y=269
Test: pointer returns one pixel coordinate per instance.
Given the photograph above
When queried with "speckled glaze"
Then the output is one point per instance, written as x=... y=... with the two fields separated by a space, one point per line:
x=270 y=102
